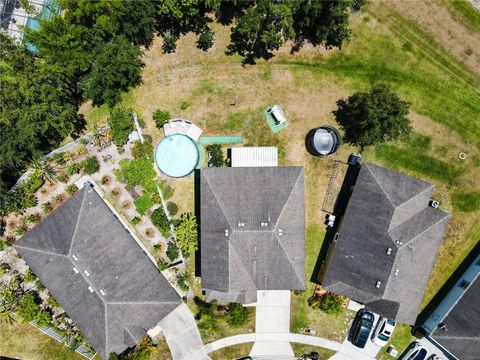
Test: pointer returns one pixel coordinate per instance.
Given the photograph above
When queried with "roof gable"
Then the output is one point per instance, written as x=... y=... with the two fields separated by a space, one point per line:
x=372 y=256
x=263 y=213
x=103 y=266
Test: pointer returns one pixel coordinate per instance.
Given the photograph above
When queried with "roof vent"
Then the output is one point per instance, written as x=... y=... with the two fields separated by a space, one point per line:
x=398 y=242
x=264 y=224
x=102 y=292
x=280 y=232
x=90 y=289
x=389 y=251
x=241 y=224
x=226 y=232
x=396 y=272
x=434 y=204
x=86 y=272
x=74 y=257
x=377 y=284
x=75 y=270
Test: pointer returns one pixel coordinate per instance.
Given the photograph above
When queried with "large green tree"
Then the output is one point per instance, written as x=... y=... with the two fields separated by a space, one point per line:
x=261 y=30
x=38 y=108
x=116 y=68
x=133 y=19
x=373 y=117
x=64 y=43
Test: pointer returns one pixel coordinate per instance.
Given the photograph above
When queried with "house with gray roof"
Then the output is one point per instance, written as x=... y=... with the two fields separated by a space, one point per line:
x=252 y=231
x=98 y=273
x=454 y=324
x=386 y=243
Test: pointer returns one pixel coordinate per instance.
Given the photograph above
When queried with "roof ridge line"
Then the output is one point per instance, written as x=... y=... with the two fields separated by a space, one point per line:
x=106 y=326
x=289 y=196
x=72 y=239
x=447 y=215
x=289 y=261
x=140 y=302
x=232 y=247
x=380 y=186
x=41 y=251
x=216 y=199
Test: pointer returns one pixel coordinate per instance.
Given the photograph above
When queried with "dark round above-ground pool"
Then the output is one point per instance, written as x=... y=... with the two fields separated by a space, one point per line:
x=176 y=155
x=323 y=141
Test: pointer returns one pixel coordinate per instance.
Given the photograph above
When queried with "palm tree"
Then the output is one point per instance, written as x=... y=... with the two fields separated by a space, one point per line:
x=44 y=170
x=99 y=137
x=6 y=316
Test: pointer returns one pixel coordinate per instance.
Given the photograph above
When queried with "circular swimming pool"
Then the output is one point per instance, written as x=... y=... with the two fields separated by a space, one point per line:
x=176 y=155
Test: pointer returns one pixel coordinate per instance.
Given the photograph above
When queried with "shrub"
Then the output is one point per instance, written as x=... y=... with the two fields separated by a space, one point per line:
x=160 y=220
x=43 y=318
x=81 y=150
x=59 y=158
x=63 y=177
x=329 y=303
x=33 y=184
x=144 y=151
x=182 y=282
x=73 y=169
x=237 y=315
x=2 y=245
x=215 y=151
x=39 y=285
x=28 y=201
x=161 y=117
x=57 y=198
x=21 y=228
x=157 y=247
x=47 y=207
x=172 y=251
x=167 y=190
x=28 y=307
x=71 y=189
x=155 y=197
x=184 y=105
x=136 y=220
x=137 y=172
x=162 y=265
x=187 y=234
x=105 y=180
x=29 y=276
x=33 y=218
x=205 y=39
x=121 y=124
x=172 y=208
x=90 y=165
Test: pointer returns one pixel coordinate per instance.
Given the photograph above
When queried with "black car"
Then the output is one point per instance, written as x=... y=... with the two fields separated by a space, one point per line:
x=361 y=328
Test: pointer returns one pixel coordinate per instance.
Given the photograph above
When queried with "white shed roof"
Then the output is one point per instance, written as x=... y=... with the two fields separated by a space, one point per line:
x=254 y=156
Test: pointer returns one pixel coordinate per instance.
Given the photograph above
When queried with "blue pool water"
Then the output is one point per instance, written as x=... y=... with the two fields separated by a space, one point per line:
x=176 y=155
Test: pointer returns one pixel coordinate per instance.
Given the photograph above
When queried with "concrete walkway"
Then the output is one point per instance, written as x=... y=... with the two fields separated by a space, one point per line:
x=272 y=317
x=182 y=335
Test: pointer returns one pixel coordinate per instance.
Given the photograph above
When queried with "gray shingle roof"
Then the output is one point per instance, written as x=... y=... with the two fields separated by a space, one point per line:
x=462 y=338
x=253 y=256
x=387 y=210
x=136 y=296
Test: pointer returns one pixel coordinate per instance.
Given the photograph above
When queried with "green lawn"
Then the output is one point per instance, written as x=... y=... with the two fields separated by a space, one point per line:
x=142 y=204
x=28 y=343
x=300 y=349
x=333 y=327
x=466 y=201
x=465 y=13
x=401 y=338
x=232 y=352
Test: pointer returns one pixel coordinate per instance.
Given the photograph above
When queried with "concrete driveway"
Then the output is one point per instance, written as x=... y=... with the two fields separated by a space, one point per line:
x=272 y=317
x=182 y=335
x=348 y=351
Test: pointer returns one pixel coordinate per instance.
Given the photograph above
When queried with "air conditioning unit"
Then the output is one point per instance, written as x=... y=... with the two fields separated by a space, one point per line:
x=434 y=204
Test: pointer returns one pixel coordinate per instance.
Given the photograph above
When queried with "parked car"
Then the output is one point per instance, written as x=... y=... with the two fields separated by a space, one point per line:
x=383 y=331
x=361 y=328
x=435 y=357
x=415 y=352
